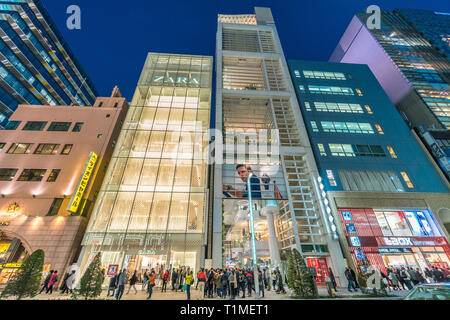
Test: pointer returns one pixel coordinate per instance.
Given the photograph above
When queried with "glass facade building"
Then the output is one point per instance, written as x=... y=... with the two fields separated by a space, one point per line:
x=151 y=209
x=409 y=57
x=433 y=25
x=37 y=66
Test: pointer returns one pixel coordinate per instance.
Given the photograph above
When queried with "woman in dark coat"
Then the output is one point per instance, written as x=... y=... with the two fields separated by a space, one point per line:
x=133 y=281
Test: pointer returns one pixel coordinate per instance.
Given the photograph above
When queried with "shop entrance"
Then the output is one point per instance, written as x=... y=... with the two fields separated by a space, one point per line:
x=321 y=266
x=401 y=260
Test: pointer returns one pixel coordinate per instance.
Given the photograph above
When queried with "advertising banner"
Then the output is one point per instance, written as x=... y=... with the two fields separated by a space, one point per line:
x=267 y=182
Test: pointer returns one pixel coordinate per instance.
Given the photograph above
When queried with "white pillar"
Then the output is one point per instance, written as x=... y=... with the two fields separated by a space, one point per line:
x=273 y=242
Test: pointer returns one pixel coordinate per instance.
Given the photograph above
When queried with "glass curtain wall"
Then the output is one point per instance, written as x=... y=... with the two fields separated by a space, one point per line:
x=150 y=212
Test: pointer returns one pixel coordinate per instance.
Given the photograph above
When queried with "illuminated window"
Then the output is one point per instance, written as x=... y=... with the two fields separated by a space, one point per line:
x=46 y=148
x=358 y=91
x=32 y=175
x=307 y=106
x=369 y=110
x=322 y=150
x=324 y=75
x=338 y=107
x=406 y=179
x=53 y=175
x=392 y=152
x=314 y=126
x=380 y=131
x=67 y=148
x=331 y=90
x=297 y=73
x=341 y=150
x=347 y=127
x=302 y=89
x=20 y=148
x=331 y=179
x=7 y=174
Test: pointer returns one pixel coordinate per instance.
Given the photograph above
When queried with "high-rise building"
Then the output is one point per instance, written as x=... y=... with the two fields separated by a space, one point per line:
x=51 y=168
x=405 y=57
x=263 y=132
x=378 y=181
x=433 y=25
x=151 y=209
x=37 y=66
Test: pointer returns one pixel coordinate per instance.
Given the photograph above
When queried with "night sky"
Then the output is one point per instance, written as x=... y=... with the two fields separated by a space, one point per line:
x=116 y=36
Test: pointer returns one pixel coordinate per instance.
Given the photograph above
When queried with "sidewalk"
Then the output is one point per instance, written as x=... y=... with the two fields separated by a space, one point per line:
x=341 y=293
x=158 y=295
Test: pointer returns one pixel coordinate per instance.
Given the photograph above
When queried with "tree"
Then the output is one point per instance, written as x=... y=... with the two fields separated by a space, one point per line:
x=28 y=277
x=299 y=278
x=91 y=282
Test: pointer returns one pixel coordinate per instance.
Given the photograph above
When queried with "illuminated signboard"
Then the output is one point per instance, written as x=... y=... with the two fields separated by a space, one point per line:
x=82 y=183
x=355 y=241
x=11 y=265
x=397 y=241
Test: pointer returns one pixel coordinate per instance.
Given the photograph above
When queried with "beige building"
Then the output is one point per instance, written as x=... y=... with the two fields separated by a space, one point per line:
x=52 y=163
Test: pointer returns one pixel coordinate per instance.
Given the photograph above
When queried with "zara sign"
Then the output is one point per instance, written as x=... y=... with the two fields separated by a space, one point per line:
x=177 y=80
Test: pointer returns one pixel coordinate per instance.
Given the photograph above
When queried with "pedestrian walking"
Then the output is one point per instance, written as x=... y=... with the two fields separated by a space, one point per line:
x=133 y=281
x=350 y=279
x=70 y=282
x=174 y=280
x=165 y=279
x=188 y=281
x=151 y=284
x=112 y=285
x=46 y=282
x=52 y=282
x=63 y=287
x=202 y=280
x=261 y=283
x=121 y=280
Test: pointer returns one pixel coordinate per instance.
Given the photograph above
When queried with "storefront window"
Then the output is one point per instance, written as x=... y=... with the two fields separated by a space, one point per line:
x=383 y=224
x=397 y=223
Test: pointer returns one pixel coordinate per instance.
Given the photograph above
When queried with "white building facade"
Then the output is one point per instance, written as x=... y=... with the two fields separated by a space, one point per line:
x=260 y=123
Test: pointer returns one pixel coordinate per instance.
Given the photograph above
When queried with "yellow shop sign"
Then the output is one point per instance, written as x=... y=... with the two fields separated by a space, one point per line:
x=82 y=183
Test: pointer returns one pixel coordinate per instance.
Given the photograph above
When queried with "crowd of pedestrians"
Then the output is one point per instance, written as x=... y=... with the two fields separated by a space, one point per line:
x=403 y=278
x=213 y=283
x=407 y=278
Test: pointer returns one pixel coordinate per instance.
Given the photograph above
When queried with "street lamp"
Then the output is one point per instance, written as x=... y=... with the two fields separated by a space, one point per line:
x=252 y=228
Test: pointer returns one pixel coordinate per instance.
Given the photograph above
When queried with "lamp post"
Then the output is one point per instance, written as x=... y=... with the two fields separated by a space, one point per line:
x=252 y=230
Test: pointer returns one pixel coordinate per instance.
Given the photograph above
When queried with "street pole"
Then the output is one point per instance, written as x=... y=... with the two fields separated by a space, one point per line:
x=252 y=227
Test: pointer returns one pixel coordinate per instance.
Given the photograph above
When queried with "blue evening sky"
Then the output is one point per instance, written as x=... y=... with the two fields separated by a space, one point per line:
x=117 y=35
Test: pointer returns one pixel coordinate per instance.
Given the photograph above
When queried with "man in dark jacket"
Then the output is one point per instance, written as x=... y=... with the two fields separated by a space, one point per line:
x=46 y=281
x=354 y=278
x=350 y=279
x=249 y=277
x=112 y=285
x=174 y=280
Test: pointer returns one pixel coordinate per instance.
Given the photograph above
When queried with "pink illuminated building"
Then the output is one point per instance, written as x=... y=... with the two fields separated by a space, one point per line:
x=52 y=163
